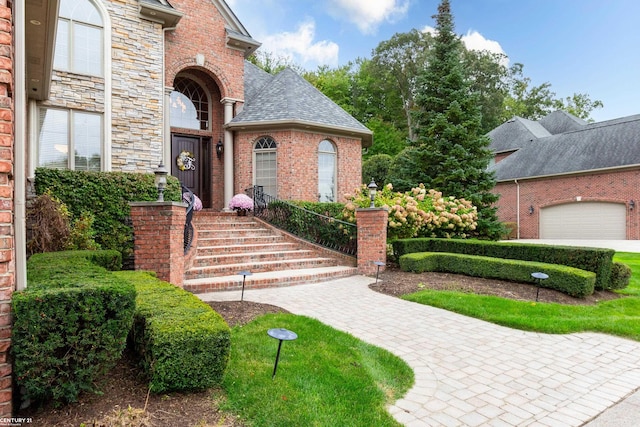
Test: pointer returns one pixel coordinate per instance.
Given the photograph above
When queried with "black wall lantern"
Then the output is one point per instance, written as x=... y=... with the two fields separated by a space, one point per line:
x=219 y=149
x=531 y=210
x=632 y=204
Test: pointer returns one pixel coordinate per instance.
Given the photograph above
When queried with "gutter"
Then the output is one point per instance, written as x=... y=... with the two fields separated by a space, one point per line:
x=19 y=147
x=517 y=209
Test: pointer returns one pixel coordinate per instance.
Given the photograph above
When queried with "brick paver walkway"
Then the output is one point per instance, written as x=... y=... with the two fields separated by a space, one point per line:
x=469 y=372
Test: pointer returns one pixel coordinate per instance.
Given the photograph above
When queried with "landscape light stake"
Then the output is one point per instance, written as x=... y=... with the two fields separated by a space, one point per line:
x=378 y=264
x=244 y=275
x=539 y=277
x=280 y=334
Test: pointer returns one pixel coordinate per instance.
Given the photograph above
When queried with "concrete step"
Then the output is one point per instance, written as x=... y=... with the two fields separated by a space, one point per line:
x=234 y=231
x=268 y=279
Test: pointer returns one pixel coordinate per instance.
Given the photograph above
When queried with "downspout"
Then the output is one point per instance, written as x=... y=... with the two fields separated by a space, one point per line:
x=19 y=147
x=517 y=209
x=165 y=155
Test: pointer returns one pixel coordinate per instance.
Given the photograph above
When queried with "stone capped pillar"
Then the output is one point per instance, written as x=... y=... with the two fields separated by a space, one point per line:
x=158 y=229
x=372 y=239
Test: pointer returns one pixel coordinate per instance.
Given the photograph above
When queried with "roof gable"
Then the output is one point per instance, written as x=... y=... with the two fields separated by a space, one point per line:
x=603 y=145
x=516 y=133
x=560 y=122
x=288 y=99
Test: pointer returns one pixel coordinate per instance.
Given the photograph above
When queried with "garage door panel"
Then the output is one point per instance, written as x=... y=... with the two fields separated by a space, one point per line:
x=584 y=220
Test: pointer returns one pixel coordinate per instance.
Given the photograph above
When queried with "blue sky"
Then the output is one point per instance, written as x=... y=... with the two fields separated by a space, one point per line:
x=584 y=46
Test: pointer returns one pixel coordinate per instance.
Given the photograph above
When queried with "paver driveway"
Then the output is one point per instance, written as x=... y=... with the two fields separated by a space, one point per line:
x=469 y=372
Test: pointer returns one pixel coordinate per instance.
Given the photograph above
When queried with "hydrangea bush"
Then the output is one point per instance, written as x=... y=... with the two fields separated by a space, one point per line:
x=241 y=202
x=416 y=213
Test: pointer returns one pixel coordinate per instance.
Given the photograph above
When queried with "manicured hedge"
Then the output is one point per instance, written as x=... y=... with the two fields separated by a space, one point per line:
x=106 y=195
x=596 y=260
x=572 y=281
x=182 y=343
x=70 y=323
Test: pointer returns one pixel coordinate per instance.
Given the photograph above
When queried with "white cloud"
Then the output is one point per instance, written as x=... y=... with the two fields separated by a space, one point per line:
x=473 y=40
x=300 y=48
x=368 y=14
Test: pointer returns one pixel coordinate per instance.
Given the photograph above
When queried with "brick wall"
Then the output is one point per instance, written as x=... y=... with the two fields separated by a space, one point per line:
x=615 y=186
x=201 y=31
x=297 y=157
x=372 y=239
x=159 y=239
x=7 y=248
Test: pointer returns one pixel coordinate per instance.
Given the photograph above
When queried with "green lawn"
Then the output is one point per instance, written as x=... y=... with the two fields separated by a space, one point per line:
x=324 y=378
x=616 y=317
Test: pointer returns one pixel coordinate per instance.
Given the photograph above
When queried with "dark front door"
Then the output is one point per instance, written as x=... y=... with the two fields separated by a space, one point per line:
x=191 y=165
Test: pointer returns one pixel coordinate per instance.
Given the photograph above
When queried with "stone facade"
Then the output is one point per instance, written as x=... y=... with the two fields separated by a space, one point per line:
x=618 y=186
x=7 y=243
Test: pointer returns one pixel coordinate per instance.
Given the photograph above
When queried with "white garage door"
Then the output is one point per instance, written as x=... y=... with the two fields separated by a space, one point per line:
x=584 y=220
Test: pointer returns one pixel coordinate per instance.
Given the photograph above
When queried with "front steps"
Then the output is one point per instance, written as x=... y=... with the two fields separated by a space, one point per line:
x=228 y=244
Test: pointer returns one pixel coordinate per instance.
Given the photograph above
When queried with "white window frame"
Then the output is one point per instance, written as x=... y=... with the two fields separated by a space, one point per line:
x=71 y=43
x=271 y=151
x=334 y=179
x=71 y=143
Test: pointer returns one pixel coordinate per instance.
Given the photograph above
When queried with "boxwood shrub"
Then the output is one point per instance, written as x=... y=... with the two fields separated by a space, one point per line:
x=572 y=281
x=70 y=323
x=181 y=342
x=596 y=260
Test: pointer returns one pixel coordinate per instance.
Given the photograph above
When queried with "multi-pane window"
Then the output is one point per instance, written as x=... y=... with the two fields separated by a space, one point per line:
x=189 y=105
x=326 y=171
x=79 y=44
x=61 y=132
x=266 y=165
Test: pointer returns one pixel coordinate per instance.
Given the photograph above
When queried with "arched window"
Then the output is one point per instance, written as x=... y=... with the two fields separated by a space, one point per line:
x=79 y=39
x=265 y=165
x=189 y=105
x=326 y=171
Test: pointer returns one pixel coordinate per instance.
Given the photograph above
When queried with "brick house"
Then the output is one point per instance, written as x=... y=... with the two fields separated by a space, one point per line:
x=563 y=178
x=136 y=83
x=128 y=85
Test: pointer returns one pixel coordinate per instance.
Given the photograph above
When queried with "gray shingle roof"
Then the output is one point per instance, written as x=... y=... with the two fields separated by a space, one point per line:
x=288 y=99
x=602 y=145
x=560 y=122
x=516 y=133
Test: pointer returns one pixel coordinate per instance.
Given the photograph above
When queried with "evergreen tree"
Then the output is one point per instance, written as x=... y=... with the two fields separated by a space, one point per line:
x=452 y=154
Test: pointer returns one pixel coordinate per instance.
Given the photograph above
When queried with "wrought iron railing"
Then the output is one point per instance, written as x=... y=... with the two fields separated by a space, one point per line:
x=320 y=229
x=188 y=197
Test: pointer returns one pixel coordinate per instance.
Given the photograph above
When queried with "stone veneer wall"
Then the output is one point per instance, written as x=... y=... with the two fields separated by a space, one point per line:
x=7 y=247
x=137 y=89
x=297 y=159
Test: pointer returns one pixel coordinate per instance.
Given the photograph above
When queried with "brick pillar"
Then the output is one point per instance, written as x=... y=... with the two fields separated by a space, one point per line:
x=158 y=229
x=7 y=243
x=372 y=239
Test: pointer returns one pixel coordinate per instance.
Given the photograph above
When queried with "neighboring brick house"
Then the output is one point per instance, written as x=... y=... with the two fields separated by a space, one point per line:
x=563 y=178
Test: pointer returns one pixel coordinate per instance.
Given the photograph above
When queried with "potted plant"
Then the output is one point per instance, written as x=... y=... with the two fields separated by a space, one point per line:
x=241 y=203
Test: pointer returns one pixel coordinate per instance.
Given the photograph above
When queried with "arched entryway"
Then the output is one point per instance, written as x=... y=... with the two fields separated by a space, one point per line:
x=196 y=119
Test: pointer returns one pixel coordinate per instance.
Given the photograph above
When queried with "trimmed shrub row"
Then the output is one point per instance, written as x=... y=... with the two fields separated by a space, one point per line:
x=70 y=323
x=572 y=281
x=596 y=260
x=182 y=343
